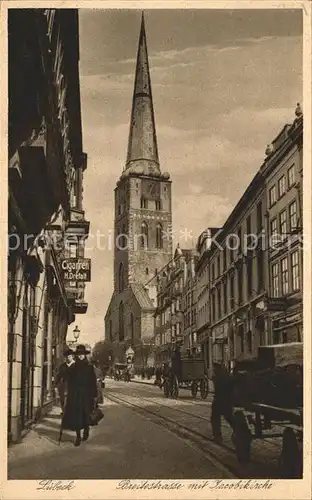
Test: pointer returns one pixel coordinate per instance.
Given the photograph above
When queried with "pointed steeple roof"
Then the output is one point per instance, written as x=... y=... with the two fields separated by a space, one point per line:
x=142 y=156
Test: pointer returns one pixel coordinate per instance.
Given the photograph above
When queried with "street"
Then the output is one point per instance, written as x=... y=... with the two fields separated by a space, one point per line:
x=142 y=435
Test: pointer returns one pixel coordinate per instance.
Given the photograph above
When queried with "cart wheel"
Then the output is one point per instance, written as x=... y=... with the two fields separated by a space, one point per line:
x=166 y=388
x=175 y=388
x=204 y=388
x=194 y=388
x=241 y=437
x=290 y=461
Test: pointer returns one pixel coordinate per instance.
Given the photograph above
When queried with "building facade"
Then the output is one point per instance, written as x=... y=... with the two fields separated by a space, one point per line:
x=46 y=163
x=142 y=219
x=283 y=170
x=175 y=314
x=202 y=295
x=249 y=272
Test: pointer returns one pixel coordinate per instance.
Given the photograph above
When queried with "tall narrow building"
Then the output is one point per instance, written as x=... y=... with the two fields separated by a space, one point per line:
x=142 y=223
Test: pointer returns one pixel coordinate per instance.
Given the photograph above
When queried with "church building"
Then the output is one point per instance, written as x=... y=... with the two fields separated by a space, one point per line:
x=142 y=242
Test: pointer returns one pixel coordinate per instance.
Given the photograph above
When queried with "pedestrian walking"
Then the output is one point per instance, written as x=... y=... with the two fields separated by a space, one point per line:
x=61 y=376
x=81 y=395
x=99 y=382
x=222 y=404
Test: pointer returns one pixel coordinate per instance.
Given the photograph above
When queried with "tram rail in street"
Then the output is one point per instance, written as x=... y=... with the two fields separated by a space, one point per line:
x=222 y=454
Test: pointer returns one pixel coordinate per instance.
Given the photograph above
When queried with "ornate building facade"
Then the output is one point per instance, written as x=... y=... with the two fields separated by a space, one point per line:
x=46 y=165
x=249 y=272
x=142 y=218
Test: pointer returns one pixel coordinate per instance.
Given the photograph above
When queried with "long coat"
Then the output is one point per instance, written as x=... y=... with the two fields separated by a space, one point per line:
x=82 y=391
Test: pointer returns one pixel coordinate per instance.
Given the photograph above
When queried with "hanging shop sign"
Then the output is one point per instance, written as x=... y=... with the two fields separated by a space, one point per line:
x=76 y=269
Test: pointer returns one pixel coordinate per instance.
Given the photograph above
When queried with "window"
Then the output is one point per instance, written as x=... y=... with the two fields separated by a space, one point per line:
x=259 y=217
x=146 y=270
x=275 y=280
x=213 y=272
x=131 y=326
x=273 y=225
x=249 y=277
x=248 y=234
x=291 y=176
x=72 y=251
x=225 y=298
x=241 y=335
x=295 y=278
x=144 y=235
x=283 y=222
x=121 y=322
x=213 y=307
x=272 y=196
x=232 y=293
x=281 y=186
x=121 y=283
x=224 y=260
x=284 y=268
x=219 y=302
x=249 y=340
x=248 y=225
x=158 y=205
x=293 y=215
x=111 y=330
x=260 y=270
x=239 y=240
x=240 y=284
x=143 y=203
x=159 y=236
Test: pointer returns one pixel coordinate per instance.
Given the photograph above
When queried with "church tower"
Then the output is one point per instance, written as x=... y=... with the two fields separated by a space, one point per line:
x=142 y=217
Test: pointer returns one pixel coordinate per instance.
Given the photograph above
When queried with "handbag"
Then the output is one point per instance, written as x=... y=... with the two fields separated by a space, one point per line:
x=95 y=416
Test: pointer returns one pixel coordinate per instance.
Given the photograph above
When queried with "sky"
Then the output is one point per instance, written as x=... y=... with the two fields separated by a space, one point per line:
x=224 y=83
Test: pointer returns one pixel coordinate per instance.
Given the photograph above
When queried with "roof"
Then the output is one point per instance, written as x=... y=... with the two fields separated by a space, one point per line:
x=142 y=296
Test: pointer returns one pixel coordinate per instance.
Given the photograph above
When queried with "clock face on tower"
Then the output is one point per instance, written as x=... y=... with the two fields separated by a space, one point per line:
x=152 y=188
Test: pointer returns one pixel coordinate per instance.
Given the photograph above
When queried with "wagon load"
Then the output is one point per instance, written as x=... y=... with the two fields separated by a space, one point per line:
x=275 y=377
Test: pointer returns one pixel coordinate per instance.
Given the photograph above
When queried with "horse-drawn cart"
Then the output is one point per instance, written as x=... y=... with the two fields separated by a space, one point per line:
x=269 y=404
x=192 y=374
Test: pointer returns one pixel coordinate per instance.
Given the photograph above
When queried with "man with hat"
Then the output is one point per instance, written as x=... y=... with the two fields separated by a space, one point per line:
x=81 y=395
x=61 y=376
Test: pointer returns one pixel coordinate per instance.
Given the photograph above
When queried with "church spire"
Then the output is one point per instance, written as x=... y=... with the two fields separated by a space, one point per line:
x=142 y=156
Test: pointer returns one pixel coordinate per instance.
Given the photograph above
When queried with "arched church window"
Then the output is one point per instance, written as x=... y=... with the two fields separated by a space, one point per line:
x=121 y=322
x=144 y=235
x=132 y=326
x=121 y=280
x=159 y=236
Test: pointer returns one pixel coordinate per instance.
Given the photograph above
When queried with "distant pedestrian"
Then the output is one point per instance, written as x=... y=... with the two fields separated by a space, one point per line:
x=81 y=396
x=61 y=376
x=99 y=382
x=222 y=404
x=176 y=363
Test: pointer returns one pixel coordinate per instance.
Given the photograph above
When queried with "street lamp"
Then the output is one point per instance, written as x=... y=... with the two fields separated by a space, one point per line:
x=76 y=333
